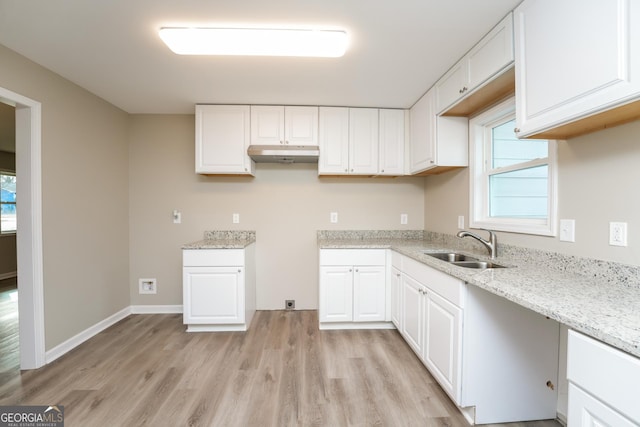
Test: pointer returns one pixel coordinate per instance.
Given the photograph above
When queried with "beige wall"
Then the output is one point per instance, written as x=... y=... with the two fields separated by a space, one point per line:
x=285 y=204
x=598 y=176
x=85 y=198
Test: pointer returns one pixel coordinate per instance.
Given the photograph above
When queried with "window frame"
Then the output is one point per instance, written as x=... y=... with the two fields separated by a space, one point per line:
x=480 y=146
x=10 y=232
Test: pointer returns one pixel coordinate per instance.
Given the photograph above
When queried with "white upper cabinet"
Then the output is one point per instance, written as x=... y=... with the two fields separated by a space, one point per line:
x=334 y=141
x=391 y=150
x=437 y=143
x=222 y=138
x=363 y=141
x=573 y=62
x=492 y=55
x=274 y=125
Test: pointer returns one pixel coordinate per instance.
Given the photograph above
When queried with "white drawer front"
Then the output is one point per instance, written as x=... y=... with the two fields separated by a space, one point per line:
x=212 y=257
x=449 y=287
x=611 y=375
x=352 y=257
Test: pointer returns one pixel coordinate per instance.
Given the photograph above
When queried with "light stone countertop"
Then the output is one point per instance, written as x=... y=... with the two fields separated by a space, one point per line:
x=604 y=304
x=223 y=240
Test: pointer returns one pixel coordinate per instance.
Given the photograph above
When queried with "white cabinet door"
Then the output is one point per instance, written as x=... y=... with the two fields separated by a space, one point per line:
x=488 y=57
x=301 y=125
x=422 y=133
x=222 y=139
x=334 y=141
x=453 y=85
x=587 y=411
x=363 y=141
x=213 y=295
x=391 y=149
x=443 y=324
x=413 y=314
x=336 y=294
x=396 y=297
x=574 y=60
x=267 y=125
x=369 y=294
x=437 y=142
x=492 y=54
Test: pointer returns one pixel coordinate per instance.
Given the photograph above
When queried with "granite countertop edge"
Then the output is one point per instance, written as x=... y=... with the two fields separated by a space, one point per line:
x=597 y=308
x=219 y=244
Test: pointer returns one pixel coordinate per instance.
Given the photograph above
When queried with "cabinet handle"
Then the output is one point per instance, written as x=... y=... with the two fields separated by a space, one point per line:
x=286 y=142
x=281 y=142
x=516 y=130
x=351 y=170
x=239 y=270
x=346 y=170
x=431 y=161
x=398 y=274
x=350 y=270
x=357 y=270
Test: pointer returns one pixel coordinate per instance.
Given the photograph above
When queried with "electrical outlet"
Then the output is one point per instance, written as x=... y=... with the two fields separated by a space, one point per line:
x=333 y=217
x=236 y=218
x=404 y=218
x=460 y=222
x=618 y=233
x=567 y=230
x=147 y=286
x=177 y=216
x=290 y=304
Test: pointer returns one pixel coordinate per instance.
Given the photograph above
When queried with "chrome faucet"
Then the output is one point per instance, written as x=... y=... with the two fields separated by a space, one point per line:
x=491 y=244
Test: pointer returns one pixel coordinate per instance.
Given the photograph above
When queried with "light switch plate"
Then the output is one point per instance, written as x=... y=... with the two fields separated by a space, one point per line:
x=567 y=230
x=404 y=218
x=460 y=222
x=333 y=217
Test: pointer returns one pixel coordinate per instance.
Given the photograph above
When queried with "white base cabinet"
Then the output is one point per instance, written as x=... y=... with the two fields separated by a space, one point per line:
x=218 y=289
x=496 y=360
x=604 y=384
x=352 y=288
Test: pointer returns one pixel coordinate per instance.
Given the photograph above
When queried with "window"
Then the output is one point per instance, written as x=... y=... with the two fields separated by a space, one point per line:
x=512 y=181
x=8 y=220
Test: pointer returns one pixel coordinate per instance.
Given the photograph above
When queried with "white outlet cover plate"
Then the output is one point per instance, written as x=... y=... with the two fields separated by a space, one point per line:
x=236 y=218
x=404 y=218
x=618 y=233
x=333 y=217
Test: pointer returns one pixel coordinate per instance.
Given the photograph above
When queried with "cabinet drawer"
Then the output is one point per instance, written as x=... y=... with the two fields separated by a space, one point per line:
x=450 y=288
x=352 y=256
x=606 y=372
x=212 y=257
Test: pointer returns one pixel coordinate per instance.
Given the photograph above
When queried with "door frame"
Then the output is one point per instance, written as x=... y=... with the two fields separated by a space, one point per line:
x=29 y=236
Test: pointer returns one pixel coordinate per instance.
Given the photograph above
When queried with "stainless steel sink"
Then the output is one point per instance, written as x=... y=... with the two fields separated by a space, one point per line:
x=462 y=260
x=450 y=256
x=481 y=265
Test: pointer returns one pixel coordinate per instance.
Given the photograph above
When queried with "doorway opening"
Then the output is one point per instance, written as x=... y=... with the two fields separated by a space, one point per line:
x=29 y=219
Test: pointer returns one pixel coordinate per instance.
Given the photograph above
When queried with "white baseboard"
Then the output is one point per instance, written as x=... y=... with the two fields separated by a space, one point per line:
x=156 y=309
x=83 y=336
x=9 y=275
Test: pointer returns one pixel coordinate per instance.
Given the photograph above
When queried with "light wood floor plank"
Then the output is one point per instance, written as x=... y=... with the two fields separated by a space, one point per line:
x=147 y=371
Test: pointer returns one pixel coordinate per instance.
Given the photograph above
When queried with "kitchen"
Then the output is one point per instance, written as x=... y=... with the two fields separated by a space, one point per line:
x=149 y=161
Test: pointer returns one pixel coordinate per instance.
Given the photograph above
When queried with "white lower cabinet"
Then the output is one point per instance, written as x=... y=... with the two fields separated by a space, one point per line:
x=352 y=288
x=395 y=283
x=604 y=384
x=496 y=360
x=218 y=289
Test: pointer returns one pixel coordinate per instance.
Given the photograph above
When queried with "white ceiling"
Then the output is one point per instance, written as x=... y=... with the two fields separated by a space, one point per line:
x=398 y=49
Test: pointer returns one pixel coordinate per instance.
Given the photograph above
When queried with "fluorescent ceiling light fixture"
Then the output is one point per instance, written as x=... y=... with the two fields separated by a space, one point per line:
x=255 y=41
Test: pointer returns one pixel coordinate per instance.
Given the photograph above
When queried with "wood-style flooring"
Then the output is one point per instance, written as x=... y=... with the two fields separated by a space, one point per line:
x=146 y=370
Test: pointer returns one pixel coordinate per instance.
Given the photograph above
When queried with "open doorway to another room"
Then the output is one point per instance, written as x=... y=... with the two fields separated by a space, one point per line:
x=9 y=327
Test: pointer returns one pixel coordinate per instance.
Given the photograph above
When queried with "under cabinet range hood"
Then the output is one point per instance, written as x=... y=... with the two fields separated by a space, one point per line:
x=284 y=153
